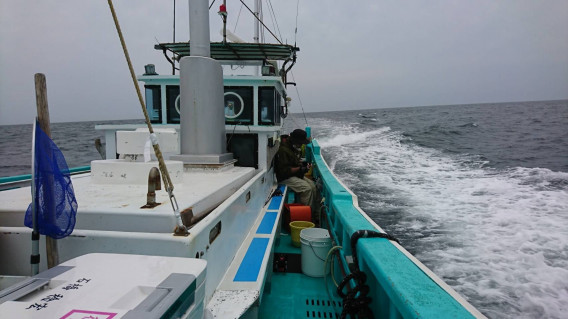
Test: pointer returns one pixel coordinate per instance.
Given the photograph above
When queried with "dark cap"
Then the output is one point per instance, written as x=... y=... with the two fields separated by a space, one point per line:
x=299 y=136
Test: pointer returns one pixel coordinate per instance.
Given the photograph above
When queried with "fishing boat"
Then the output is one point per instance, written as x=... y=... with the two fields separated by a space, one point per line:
x=218 y=242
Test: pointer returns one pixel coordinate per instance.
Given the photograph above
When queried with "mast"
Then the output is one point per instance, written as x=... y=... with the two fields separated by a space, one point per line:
x=257 y=6
x=202 y=117
x=199 y=28
x=256 y=21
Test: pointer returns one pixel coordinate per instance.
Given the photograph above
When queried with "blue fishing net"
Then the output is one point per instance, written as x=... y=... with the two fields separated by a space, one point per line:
x=55 y=201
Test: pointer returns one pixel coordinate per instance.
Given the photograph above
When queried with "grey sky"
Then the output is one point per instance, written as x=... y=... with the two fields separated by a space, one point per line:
x=354 y=54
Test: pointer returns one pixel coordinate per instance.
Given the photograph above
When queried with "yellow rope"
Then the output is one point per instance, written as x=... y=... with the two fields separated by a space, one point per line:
x=168 y=185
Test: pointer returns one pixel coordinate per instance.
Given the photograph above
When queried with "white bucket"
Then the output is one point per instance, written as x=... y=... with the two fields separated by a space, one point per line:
x=316 y=243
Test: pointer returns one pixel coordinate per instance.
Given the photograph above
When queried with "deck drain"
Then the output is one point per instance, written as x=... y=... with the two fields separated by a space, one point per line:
x=322 y=308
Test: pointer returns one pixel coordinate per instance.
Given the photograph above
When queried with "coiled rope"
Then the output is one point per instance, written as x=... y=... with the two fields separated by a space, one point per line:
x=168 y=185
x=355 y=302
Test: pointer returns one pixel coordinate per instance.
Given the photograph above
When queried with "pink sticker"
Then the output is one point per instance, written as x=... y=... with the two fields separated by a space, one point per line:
x=86 y=314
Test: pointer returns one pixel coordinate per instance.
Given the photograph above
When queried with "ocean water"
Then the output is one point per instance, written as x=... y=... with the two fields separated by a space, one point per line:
x=75 y=139
x=478 y=193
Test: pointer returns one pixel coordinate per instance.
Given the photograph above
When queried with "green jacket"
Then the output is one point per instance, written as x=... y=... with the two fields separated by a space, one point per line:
x=286 y=158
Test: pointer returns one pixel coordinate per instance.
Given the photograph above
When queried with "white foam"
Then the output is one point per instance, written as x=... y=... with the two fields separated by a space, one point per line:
x=351 y=137
x=499 y=237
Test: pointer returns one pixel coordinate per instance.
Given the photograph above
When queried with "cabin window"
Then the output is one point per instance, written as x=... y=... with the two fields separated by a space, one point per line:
x=239 y=105
x=173 y=104
x=269 y=102
x=154 y=103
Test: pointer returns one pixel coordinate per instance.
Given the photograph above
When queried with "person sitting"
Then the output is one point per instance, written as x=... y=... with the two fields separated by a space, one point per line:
x=290 y=170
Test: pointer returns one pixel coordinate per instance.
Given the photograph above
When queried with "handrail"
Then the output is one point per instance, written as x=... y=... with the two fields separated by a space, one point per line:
x=18 y=178
x=16 y=181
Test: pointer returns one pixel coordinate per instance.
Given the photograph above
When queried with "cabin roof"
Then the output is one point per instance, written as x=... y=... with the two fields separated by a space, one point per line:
x=236 y=51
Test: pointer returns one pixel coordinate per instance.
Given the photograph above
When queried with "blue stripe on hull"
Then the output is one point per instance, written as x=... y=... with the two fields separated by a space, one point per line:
x=267 y=223
x=250 y=266
x=275 y=203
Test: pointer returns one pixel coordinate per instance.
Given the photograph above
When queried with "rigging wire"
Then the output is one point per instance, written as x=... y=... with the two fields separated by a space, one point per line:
x=238 y=16
x=264 y=25
x=294 y=120
x=291 y=72
x=299 y=98
x=273 y=17
x=212 y=2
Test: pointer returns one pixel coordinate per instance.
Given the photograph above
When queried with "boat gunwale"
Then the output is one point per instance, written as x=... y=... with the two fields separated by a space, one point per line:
x=341 y=196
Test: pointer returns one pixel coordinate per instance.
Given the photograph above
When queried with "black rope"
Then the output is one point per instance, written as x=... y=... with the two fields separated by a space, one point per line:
x=276 y=192
x=367 y=234
x=233 y=133
x=355 y=302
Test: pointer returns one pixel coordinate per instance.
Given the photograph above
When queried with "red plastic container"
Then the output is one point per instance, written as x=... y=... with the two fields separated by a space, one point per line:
x=296 y=212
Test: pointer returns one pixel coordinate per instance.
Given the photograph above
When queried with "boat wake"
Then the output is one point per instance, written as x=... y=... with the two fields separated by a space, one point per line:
x=497 y=236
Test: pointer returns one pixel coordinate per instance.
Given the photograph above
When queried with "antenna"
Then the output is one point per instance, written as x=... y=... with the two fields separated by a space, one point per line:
x=174 y=41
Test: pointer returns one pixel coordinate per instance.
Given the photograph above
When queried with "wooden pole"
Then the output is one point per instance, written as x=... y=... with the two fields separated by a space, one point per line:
x=41 y=102
x=43 y=119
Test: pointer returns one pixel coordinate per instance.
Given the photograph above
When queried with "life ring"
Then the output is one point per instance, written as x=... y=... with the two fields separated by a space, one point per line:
x=178 y=108
x=242 y=105
x=176 y=105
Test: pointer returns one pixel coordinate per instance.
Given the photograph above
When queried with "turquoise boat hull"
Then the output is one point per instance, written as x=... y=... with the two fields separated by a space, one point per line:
x=400 y=286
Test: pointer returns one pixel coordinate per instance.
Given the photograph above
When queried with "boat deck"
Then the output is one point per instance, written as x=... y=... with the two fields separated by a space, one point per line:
x=118 y=207
x=110 y=218
x=292 y=294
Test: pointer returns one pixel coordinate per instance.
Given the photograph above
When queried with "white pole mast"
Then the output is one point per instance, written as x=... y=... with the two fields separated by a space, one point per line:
x=202 y=117
x=199 y=28
x=256 y=20
x=257 y=5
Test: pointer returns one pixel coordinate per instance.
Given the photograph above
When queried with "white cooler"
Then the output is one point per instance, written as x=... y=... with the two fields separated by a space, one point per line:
x=109 y=286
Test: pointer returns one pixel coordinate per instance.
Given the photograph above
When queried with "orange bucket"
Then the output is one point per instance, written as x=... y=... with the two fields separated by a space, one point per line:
x=300 y=213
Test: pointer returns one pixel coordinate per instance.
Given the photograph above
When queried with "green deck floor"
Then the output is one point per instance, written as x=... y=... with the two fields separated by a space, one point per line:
x=285 y=245
x=295 y=295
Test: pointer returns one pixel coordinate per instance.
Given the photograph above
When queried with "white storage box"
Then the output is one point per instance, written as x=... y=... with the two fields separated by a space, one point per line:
x=133 y=142
x=111 y=286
